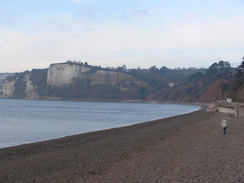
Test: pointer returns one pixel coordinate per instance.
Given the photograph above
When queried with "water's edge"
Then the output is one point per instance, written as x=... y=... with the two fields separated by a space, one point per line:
x=25 y=121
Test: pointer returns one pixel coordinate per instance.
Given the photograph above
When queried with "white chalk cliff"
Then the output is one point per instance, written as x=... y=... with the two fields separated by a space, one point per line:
x=63 y=74
x=67 y=74
x=60 y=79
x=7 y=88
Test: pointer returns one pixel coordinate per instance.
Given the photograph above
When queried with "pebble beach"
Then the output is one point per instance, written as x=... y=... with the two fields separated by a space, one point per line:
x=180 y=149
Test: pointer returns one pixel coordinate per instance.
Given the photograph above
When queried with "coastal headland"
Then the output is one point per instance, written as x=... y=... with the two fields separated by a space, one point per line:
x=185 y=148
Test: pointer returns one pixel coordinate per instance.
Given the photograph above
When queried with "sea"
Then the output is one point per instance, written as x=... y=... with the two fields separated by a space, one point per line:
x=28 y=121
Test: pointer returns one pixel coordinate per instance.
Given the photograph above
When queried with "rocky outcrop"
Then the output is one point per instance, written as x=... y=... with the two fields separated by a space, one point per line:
x=7 y=89
x=112 y=78
x=74 y=81
x=67 y=74
x=19 y=86
x=64 y=74
x=214 y=91
x=30 y=90
x=78 y=81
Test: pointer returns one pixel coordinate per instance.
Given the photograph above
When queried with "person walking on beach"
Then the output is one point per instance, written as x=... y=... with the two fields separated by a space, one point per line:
x=224 y=125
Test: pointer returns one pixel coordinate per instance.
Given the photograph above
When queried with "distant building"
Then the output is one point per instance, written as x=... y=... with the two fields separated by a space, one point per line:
x=172 y=84
x=228 y=100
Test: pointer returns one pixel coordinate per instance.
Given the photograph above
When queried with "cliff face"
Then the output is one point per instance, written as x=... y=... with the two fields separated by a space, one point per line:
x=78 y=81
x=73 y=81
x=64 y=74
x=7 y=89
x=237 y=89
x=19 y=86
x=67 y=74
x=215 y=91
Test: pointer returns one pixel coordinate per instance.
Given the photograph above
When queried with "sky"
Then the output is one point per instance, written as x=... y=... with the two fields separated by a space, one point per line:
x=112 y=33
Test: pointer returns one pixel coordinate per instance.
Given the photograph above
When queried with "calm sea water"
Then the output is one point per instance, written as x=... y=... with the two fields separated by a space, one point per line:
x=27 y=121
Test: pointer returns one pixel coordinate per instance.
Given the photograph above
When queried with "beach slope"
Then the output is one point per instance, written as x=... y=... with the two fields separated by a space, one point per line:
x=185 y=148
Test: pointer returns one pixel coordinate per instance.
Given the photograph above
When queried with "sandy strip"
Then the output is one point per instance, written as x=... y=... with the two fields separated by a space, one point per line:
x=186 y=148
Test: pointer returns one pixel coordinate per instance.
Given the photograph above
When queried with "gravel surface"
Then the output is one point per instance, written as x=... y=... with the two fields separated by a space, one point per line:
x=181 y=149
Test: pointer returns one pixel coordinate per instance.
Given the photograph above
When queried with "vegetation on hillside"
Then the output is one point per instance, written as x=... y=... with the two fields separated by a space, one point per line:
x=214 y=84
x=237 y=88
x=220 y=80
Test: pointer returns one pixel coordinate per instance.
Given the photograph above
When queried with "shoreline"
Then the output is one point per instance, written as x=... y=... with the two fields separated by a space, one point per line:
x=128 y=121
x=201 y=107
x=164 y=150
x=114 y=101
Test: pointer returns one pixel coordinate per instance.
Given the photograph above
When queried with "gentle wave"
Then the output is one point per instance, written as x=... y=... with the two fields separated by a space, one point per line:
x=27 y=121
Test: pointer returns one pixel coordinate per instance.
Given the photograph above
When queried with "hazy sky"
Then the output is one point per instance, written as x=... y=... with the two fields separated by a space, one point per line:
x=137 y=33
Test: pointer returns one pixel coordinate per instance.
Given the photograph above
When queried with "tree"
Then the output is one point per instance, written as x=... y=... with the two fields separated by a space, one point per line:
x=212 y=69
x=122 y=68
x=221 y=64
x=213 y=66
x=242 y=65
x=224 y=65
x=196 y=76
x=153 y=69
x=240 y=68
x=164 y=70
x=227 y=65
